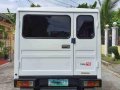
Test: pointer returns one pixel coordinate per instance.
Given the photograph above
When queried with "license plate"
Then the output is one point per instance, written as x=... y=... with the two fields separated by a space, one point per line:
x=57 y=82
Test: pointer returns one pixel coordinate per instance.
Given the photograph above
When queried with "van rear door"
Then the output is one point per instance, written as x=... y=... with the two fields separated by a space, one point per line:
x=85 y=33
x=45 y=44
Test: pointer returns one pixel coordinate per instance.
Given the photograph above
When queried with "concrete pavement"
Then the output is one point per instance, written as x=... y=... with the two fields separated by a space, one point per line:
x=113 y=67
x=110 y=81
x=6 y=77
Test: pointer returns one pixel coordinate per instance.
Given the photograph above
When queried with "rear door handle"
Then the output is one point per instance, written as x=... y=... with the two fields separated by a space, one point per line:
x=73 y=40
x=65 y=46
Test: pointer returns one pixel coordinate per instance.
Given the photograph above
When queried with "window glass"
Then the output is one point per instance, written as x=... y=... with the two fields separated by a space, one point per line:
x=46 y=26
x=85 y=27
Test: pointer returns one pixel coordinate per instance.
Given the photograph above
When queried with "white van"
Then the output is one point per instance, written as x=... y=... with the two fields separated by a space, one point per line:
x=57 y=47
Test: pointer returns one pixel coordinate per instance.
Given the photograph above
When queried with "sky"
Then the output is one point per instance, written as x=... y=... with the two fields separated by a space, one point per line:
x=14 y=4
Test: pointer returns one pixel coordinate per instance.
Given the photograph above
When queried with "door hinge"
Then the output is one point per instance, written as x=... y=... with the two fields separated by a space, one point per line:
x=73 y=40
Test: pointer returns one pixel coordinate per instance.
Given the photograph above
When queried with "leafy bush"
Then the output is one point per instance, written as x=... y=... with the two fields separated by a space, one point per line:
x=1 y=54
x=114 y=50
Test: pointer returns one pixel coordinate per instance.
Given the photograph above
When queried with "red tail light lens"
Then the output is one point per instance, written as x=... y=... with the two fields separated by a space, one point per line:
x=91 y=83
x=25 y=84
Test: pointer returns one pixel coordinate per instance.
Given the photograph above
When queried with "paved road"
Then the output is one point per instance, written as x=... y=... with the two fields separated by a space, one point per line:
x=6 y=77
x=110 y=81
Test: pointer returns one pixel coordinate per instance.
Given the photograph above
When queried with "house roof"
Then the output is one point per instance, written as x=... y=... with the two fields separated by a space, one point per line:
x=5 y=21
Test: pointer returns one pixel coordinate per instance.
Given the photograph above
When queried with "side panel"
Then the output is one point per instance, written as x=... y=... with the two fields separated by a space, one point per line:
x=45 y=56
x=99 y=48
x=85 y=49
x=17 y=47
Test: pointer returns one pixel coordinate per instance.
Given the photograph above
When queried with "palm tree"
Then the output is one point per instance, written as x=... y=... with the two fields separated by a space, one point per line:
x=118 y=14
x=100 y=2
x=106 y=11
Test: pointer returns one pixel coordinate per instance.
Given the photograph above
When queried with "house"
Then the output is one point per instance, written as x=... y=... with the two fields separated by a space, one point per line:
x=9 y=30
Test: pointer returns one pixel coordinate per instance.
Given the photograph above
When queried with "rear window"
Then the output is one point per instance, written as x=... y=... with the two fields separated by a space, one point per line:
x=46 y=26
x=85 y=27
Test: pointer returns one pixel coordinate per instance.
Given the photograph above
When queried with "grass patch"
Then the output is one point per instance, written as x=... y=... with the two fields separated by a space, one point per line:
x=110 y=59
x=103 y=47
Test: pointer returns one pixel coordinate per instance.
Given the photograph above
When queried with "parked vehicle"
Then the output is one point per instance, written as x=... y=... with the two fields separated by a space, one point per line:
x=57 y=47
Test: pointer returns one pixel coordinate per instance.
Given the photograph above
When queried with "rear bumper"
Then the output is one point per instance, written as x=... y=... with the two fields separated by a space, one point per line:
x=73 y=81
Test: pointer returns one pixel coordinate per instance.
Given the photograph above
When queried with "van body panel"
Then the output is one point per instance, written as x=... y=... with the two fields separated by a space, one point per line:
x=45 y=56
x=85 y=50
x=57 y=9
x=68 y=47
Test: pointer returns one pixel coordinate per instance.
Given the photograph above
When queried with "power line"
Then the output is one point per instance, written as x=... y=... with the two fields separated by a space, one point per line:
x=19 y=2
x=30 y=1
x=57 y=3
x=65 y=3
x=74 y=1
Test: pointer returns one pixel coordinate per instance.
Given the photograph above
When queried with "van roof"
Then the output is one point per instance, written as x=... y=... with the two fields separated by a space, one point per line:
x=56 y=9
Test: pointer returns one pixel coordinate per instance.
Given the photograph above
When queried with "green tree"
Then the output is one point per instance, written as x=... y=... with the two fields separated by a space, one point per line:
x=11 y=17
x=33 y=5
x=106 y=12
x=85 y=5
x=1 y=41
x=100 y=3
x=116 y=18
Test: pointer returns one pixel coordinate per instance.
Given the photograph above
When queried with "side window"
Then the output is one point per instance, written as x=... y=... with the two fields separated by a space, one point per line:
x=85 y=27
x=46 y=26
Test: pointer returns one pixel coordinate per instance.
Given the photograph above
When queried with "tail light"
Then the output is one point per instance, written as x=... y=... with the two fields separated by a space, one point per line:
x=24 y=83
x=92 y=83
